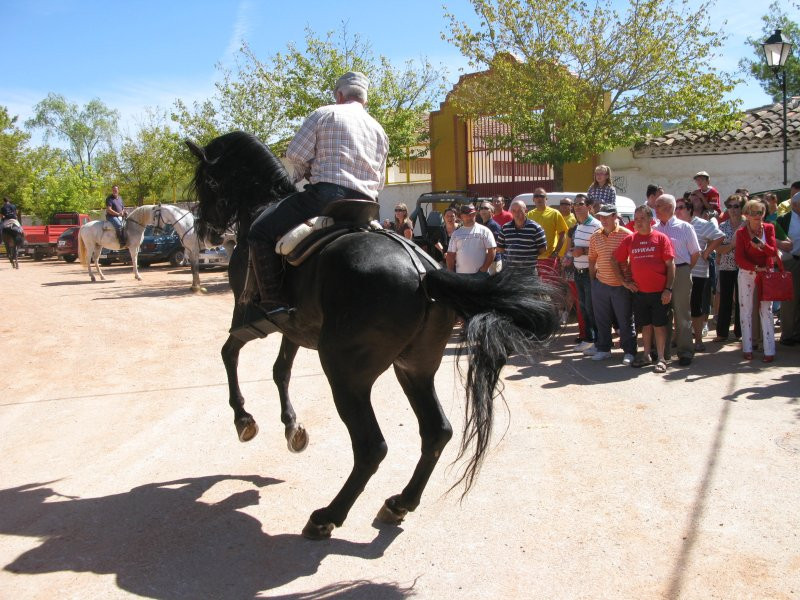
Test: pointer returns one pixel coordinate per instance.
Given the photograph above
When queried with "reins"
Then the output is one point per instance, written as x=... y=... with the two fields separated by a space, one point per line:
x=160 y=220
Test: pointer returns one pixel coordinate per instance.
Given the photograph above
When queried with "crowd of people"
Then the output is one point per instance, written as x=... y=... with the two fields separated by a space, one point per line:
x=659 y=282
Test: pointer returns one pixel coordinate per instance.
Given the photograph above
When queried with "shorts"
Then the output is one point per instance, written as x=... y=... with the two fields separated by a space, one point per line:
x=698 y=307
x=648 y=309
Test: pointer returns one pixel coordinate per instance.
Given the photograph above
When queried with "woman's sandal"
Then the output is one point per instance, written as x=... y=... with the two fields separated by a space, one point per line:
x=661 y=367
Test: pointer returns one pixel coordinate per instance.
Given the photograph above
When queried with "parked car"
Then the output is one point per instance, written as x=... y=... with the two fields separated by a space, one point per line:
x=161 y=246
x=41 y=241
x=213 y=257
x=67 y=246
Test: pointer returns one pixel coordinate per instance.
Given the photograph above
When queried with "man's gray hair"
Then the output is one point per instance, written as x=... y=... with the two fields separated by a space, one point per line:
x=353 y=86
x=520 y=203
x=648 y=212
x=667 y=198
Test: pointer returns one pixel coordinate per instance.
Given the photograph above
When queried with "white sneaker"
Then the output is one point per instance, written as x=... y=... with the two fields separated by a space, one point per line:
x=599 y=355
x=590 y=351
x=627 y=359
x=584 y=346
x=705 y=329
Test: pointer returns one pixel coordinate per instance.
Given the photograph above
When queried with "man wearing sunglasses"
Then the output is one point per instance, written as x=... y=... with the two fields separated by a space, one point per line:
x=555 y=229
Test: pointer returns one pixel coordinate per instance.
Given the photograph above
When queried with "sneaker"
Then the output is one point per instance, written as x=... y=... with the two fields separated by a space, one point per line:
x=590 y=351
x=584 y=346
x=627 y=359
x=599 y=355
x=705 y=329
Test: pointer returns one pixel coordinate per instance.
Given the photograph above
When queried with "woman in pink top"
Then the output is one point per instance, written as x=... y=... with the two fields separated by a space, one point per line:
x=755 y=252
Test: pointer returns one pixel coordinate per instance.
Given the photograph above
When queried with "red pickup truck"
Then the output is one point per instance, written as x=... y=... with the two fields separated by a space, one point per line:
x=41 y=240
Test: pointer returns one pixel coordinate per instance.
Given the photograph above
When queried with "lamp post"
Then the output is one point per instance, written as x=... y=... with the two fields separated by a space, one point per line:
x=776 y=50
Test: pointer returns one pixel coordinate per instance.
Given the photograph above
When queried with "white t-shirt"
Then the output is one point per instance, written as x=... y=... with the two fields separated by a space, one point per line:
x=470 y=245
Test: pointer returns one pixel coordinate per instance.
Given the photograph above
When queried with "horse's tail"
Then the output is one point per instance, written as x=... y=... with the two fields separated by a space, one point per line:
x=82 y=251
x=508 y=313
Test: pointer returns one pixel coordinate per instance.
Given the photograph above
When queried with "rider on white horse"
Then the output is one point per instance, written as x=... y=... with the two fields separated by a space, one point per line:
x=341 y=150
x=115 y=211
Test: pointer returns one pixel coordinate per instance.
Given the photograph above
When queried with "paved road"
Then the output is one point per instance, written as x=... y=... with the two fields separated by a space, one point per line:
x=122 y=474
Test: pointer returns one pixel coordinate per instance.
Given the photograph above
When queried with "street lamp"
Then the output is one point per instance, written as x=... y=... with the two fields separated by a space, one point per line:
x=776 y=50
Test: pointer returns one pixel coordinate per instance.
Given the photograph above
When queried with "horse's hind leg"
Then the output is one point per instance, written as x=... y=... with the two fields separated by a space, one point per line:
x=415 y=370
x=296 y=435
x=351 y=393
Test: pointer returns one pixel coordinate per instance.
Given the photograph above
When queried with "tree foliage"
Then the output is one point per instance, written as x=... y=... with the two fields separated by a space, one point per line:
x=572 y=80
x=148 y=163
x=757 y=66
x=85 y=130
x=270 y=97
x=59 y=186
x=14 y=172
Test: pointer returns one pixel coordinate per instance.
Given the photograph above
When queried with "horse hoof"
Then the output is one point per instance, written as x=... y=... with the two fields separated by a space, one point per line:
x=247 y=430
x=199 y=290
x=312 y=531
x=391 y=515
x=296 y=438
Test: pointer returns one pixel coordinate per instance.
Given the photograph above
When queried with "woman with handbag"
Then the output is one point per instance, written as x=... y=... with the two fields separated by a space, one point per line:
x=755 y=252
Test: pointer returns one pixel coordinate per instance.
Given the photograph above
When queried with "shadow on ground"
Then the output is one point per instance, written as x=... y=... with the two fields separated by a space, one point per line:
x=160 y=541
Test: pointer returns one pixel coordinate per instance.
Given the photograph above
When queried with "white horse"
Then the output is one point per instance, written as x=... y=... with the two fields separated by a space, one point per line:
x=96 y=235
x=182 y=222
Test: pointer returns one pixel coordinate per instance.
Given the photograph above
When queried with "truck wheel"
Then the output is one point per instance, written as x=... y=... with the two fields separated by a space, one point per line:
x=37 y=256
x=70 y=258
x=176 y=258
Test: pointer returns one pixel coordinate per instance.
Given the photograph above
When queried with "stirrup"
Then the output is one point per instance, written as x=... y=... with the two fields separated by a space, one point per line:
x=258 y=323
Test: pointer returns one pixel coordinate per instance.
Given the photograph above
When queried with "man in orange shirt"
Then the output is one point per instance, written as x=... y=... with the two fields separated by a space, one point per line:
x=611 y=300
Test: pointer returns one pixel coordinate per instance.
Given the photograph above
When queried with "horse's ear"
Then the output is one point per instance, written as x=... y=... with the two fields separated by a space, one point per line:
x=196 y=150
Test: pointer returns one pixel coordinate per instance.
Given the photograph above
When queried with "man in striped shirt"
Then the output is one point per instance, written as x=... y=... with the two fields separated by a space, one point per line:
x=611 y=300
x=521 y=240
x=579 y=255
x=341 y=150
x=687 y=251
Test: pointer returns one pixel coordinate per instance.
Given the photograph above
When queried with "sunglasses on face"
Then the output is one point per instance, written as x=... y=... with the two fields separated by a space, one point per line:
x=399 y=210
x=680 y=207
x=539 y=196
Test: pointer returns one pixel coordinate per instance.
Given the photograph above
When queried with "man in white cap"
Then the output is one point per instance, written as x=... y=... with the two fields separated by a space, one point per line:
x=341 y=150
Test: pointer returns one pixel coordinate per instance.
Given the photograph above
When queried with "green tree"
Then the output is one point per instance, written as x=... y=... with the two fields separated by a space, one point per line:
x=757 y=66
x=571 y=80
x=149 y=162
x=271 y=97
x=85 y=130
x=59 y=186
x=14 y=171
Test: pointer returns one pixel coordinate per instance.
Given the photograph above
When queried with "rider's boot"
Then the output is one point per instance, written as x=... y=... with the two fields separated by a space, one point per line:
x=121 y=238
x=267 y=312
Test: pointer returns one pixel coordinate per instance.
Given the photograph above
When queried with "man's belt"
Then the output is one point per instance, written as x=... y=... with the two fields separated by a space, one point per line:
x=682 y=265
x=586 y=270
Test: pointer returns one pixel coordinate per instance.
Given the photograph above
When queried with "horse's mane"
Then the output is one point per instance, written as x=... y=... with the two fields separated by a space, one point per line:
x=236 y=178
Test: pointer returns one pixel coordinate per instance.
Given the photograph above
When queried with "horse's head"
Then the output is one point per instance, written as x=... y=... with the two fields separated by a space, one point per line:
x=236 y=176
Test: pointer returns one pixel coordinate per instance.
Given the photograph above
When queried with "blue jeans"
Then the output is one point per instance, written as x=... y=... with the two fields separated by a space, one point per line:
x=584 y=285
x=612 y=303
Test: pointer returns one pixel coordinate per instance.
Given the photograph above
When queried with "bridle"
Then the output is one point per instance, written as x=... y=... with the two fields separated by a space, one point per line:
x=160 y=221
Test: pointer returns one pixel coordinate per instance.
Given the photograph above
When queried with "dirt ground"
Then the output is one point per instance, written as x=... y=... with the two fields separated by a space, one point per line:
x=122 y=474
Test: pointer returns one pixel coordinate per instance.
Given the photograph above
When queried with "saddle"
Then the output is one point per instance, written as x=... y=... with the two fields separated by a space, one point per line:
x=338 y=218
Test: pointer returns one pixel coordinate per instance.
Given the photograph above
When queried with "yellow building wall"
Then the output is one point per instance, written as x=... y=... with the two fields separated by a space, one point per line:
x=578 y=175
x=448 y=150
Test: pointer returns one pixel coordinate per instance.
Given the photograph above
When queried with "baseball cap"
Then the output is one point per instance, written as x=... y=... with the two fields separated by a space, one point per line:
x=606 y=210
x=354 y=79
x=467 y=209
x=702 y=174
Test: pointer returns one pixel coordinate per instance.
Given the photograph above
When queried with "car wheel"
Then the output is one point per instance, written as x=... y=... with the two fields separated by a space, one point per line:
x=70 y=258
x=177 y=257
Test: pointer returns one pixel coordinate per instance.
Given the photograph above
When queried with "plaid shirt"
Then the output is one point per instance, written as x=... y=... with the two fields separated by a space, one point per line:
x=341 y=144
x=602 y=195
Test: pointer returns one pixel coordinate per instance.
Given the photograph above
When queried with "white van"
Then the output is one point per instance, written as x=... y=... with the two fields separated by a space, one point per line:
x=625 y=206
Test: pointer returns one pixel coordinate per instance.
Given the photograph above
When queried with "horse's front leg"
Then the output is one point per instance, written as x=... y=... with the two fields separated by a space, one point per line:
x=95 y=258
x=296 y=434
x=194 y=262
x=246 y=426
x=134 y=252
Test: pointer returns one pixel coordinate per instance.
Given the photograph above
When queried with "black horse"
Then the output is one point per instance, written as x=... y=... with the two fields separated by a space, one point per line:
x=13 y=239
x=349 y=299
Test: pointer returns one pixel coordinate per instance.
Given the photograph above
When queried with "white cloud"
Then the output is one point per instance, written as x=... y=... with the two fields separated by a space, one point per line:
x=241 y=28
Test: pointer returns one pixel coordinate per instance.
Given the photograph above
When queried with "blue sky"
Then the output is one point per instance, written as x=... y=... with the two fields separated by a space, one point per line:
x=146 y=53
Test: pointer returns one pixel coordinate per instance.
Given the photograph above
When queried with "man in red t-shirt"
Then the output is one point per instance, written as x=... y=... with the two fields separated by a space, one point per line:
x=652 y=271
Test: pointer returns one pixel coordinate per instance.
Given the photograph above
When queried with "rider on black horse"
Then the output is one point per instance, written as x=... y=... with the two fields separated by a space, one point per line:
x=115 y=210
x=341 y=150
x=8 y=210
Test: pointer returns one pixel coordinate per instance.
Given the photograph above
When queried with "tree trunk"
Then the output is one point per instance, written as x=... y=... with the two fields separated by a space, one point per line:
x=558 y=178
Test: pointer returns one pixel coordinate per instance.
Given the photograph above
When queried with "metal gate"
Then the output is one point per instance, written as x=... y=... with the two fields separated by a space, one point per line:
x=498 y=172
